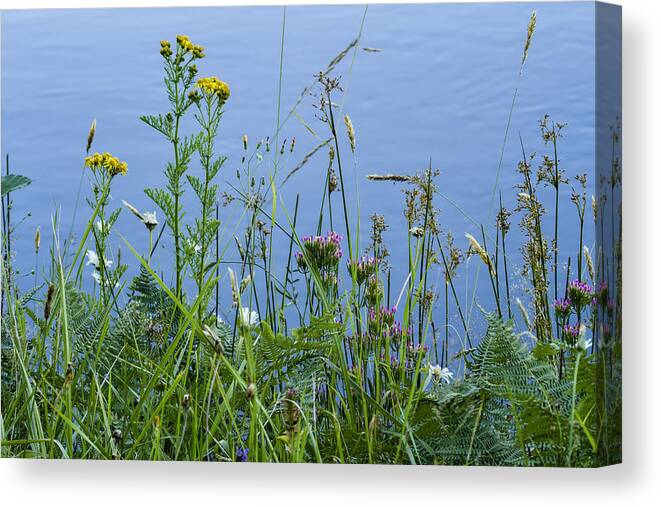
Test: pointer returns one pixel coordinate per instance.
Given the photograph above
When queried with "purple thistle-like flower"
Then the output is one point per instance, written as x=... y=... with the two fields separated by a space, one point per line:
x=562 y=308
x=579 y=293
x=571 y=331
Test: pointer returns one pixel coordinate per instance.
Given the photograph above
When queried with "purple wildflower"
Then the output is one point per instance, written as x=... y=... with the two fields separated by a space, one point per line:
x=579 y=293
x=571 y=331
x=242 y=454
x=562 y=308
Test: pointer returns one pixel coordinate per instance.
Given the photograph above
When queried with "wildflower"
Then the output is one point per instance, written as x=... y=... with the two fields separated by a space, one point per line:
x=571 y=332
x=364 y=268
x=374 y=290
x=579 y=293
x=323 y=252
x=93 y=259
x=351 y=134
x=166 y=50
x=583 y=344
x=416 y=232
x=250 y=391
x=214 y=86
x=377 y=319
x=242 y=454
x=185 y=43
x=562 y=308
x=148 y=218
x=99 y=226
x=249 y=318
x=416 y=350
x=439 y=374
x=185 y=402
x=194 y=96
x=106 y=161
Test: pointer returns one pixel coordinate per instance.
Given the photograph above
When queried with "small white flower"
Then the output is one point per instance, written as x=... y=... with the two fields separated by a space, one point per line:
x=416 y=232
x=92 y=258
x=248 y=317
x=99 y=226
x=148 y=217
x=583 y=344
x=439 y=374
x=97 y=278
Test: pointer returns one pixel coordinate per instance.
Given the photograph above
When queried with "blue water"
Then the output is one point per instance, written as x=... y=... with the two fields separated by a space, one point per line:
x=440 y=88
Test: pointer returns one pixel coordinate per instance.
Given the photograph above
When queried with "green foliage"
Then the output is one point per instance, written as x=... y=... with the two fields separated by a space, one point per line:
x=13 y=182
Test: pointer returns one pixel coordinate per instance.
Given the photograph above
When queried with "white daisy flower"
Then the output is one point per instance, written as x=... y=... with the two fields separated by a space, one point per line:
x=148 y=217
x=248 y=317
x=439 y=374
x=92 y=258
x=583 y=344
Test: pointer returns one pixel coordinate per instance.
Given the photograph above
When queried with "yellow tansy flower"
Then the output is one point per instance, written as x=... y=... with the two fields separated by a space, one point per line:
x=106 y=161
x=214 y=86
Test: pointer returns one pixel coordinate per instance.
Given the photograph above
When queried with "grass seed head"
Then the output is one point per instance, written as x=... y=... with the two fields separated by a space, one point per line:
x=90 y=136
x=351 y=133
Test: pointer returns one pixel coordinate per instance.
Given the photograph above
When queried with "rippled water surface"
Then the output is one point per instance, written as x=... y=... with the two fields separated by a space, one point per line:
x=440 y=89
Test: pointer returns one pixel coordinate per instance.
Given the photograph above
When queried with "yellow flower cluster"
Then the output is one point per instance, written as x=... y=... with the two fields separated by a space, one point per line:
x=213 y=85
x=166 y=51
x=106 y=161
x=189 y=47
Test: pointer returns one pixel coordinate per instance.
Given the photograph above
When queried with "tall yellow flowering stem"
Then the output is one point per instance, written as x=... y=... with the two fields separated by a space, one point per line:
x=180 y=71
x=210 y=102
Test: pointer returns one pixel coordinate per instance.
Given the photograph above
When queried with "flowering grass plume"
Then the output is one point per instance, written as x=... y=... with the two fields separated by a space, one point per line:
x=475 y=247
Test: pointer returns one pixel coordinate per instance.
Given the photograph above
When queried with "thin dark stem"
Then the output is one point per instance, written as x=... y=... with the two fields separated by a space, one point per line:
x=339 y=168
